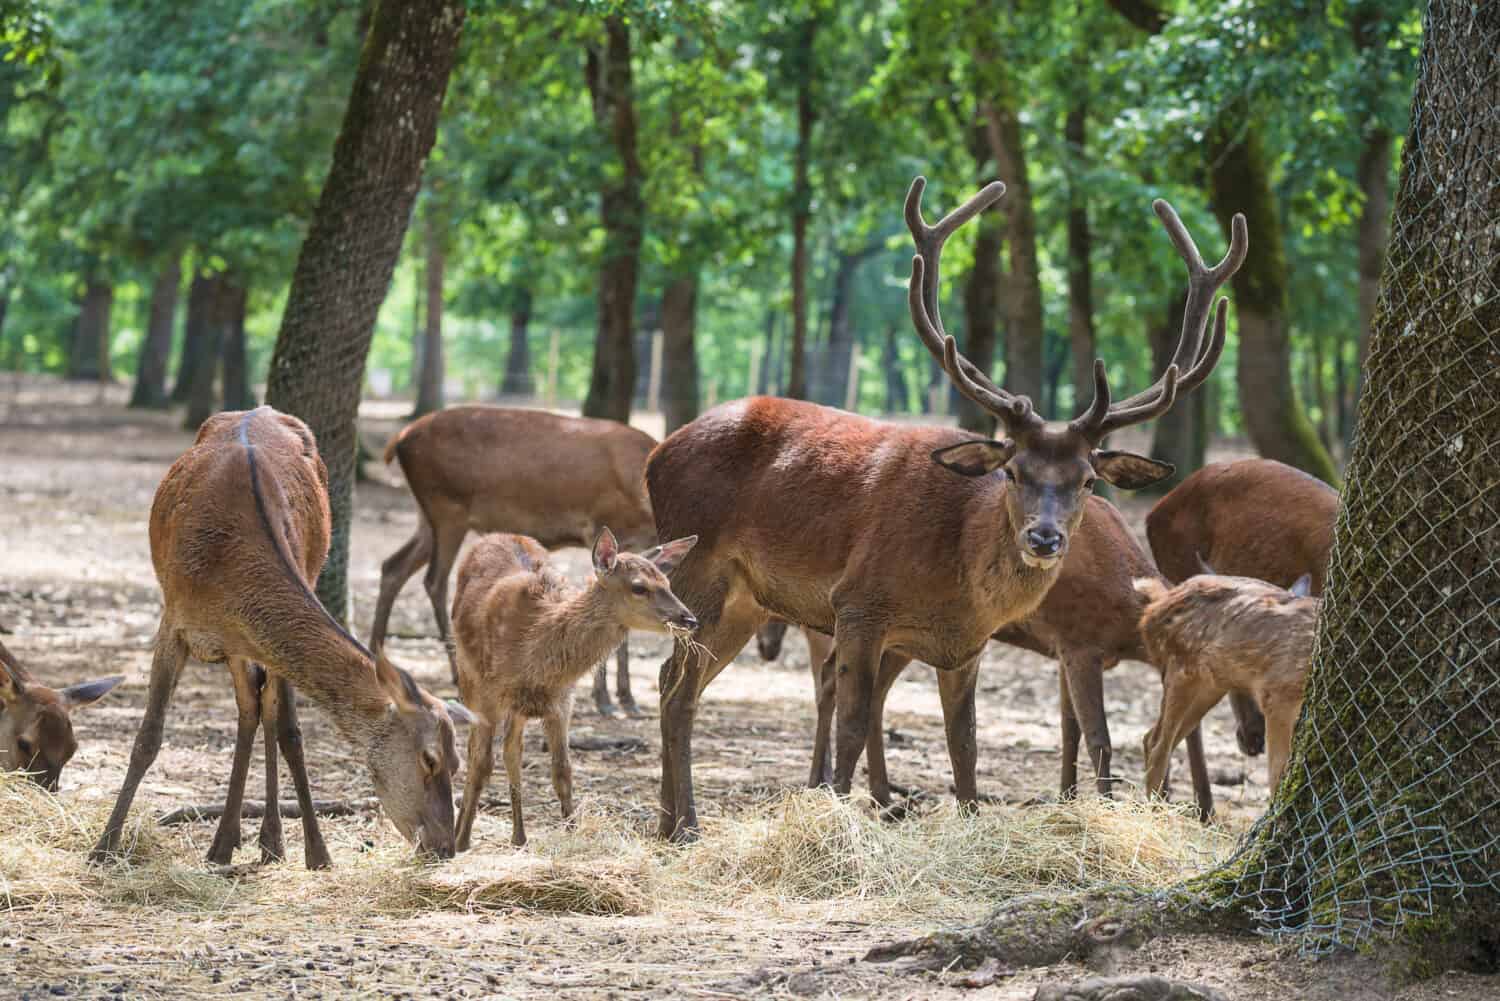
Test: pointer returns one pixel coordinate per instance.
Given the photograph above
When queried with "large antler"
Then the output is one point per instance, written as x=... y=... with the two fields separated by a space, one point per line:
x=1015 y=412
x=1193 y=360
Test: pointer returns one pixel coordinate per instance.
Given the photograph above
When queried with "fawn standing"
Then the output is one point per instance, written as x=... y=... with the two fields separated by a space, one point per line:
x=525 y=637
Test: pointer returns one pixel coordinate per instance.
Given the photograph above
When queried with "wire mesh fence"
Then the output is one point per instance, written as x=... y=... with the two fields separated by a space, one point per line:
x=1390 y=811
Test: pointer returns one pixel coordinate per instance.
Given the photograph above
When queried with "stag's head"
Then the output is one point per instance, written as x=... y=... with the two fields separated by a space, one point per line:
x=413 y=756
x=637 y=585
x=36 y=722
x=1051 y=466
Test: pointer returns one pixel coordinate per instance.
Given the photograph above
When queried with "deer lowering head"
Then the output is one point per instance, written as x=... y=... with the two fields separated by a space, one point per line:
x=36 y=725
x=1051 y=466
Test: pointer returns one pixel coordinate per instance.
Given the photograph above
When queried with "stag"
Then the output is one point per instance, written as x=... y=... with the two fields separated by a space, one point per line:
x=860 y=529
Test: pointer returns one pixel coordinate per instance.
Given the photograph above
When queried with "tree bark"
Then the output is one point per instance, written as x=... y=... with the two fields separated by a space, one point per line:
x=834 y=375
x=1180 y=436
x=344 y=268
x=679 y=320
x=235 y=364
x=518 y=380
x=1240 y=181
x=1081 y=340
x=213 y=315
x=802 y=65
x=430 y=380
x=1024 y=328
x=1374 y=174
x=89 y=354
x=195 y=334
x=621 y=212
x=151 y=369
x=981 y=315
x=897 y=398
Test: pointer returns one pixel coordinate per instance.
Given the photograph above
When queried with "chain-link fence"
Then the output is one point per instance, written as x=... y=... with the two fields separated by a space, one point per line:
x=1390 y=811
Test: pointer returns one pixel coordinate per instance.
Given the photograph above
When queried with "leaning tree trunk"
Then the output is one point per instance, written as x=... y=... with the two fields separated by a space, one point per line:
x=89 y=354
x=1240 y=181
x=344 y=268
x=621 y=211
x=679 y=319
x=1024 y=330
x=233 y=356
x=430 y=381
x=151 y=370
x=195 y=336
x=518 y=380
x=796 y=381
x=982 y=298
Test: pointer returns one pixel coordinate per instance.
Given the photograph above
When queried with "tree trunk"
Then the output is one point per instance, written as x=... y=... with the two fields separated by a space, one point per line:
x=981 y=315
x=1023 y=285
x=1240 y=181
x=621 y=213
x=214 y=312
x=430 y=381
x=89 y=354
x=518 y=380
x=897 y=398
x=344 y=268
x=1180 y=436
x=796 y=384
x=151 y=369
x=195 y=334
x=834 y=374
x=236 y=371
x=679 y=318
x=1081 y=341
x=770 y=358
x=1374 y=172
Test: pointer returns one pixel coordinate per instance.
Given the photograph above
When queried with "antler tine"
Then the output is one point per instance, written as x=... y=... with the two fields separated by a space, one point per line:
x=1123 y=415
x=967 y=378
x=1099 y=407
x=930 y=239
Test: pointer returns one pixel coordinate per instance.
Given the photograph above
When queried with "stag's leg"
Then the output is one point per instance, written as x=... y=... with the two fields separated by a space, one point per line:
x=556 y=728
x=1249 y=724
x=166 y=667
x=514 y=726
x=272 y=842
x=1072 y=733
x=395 y=572
x=248 y=679
x=858 y=667
x=1203 y=791
x=820 y=655
x=891 y=666
x=730 y=617
x=1085 y=670
x=1183 y=706
x=289 y=739
x=956 y=691
x=481 y=767
x=448 y=537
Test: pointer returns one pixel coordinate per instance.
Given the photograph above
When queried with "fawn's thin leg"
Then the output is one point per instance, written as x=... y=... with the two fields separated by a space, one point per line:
x=272 y=843
x=289 y=737
x=556 y=727
x=512 y=753
x=481 y=767
x=248 y=679
x=166 y=667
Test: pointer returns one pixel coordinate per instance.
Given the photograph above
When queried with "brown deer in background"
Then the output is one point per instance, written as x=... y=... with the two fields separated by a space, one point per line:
x=1214 y=634
x=497 y=469
x=860 y=528
x=36 y=724
x=525 y=637
x=239 y=532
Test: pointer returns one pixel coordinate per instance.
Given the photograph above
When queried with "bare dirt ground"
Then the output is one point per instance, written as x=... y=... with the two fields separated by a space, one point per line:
x=78 y=599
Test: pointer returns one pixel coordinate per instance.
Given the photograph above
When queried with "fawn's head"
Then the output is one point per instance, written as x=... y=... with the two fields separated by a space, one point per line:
x=1051 y=466
x=637 y=585
x=36 y=725
x=413 y=756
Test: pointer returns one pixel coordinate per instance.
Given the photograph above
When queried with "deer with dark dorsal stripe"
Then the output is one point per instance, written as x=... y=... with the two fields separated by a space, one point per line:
x=859 y=528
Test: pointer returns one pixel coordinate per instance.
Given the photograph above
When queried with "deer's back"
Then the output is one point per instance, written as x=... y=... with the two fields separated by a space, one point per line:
x=555 y=478
x=504 y=585
x=1252 y=518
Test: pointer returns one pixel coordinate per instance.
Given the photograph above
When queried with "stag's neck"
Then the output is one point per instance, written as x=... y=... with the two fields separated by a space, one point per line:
x=573 y=634
x=330 y=668
x=1006 y=586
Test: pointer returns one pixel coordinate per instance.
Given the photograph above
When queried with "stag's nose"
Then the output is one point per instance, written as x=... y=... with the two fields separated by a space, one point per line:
x=1043 y=542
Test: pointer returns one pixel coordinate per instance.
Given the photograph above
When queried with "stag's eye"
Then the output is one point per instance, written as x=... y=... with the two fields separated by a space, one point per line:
x=638 y=588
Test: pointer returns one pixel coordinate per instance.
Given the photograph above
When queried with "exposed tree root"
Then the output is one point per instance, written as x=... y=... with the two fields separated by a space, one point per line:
x=254 y=810
x=1137 y=988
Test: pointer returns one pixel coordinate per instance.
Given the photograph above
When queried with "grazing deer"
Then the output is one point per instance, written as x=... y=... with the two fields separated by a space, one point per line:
x=498 y=469
x=36 y=722
x=860 y=528
x=239 y=532
x=525 y=637
x=1214 y=634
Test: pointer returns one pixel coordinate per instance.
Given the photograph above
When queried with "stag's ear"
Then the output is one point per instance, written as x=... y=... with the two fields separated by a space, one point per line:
x=606 y=551
x=88 y=692
x=669 y=554
x=1129 y=471
x=399 y=686
x=1302 y=586
x=975 y=458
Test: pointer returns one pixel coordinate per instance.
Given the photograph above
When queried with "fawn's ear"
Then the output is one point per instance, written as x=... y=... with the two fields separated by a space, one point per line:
x=399 y=686
x=1302 y=586
x=1127 y=470
x=459 y=713
x=669 y=554
x=975 y=458
x=86 y=693
x=606 y=551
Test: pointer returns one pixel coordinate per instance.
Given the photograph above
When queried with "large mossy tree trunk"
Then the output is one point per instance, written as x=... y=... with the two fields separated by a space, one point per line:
x=430 y=376
x=344 y=268
x=802 y=64
x=621 y=212
x=679 y=329
x=88 y=356
x=518 y=380
x=150 y=390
